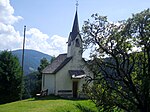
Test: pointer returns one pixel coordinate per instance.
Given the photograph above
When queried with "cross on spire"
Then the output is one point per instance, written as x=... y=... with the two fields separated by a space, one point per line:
x=77 y=4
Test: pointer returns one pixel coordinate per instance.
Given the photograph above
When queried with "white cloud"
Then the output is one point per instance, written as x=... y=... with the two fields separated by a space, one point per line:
x=10 y=39
x=6 y=13
x=37 y=40
x=59 y=43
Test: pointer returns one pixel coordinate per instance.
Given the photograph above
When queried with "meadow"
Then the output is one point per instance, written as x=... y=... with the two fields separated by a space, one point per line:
x=48 y=104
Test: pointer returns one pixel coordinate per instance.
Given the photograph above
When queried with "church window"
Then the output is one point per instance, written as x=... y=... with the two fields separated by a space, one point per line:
x=77 y=43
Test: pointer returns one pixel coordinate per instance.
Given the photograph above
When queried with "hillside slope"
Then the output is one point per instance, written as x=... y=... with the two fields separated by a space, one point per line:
x=31 y=59
x=48 y=104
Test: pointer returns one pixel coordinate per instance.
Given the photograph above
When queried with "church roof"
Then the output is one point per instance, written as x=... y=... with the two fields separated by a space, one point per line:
x=75 y=28
x=57 y=64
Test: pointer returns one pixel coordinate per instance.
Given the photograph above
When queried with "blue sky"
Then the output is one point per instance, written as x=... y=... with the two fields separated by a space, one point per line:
x=50 y=21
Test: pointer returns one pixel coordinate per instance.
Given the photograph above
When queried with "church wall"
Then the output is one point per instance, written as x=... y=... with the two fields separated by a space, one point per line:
x=74 y=49
x=69 y=49
x=49 y=83
x=63 y=80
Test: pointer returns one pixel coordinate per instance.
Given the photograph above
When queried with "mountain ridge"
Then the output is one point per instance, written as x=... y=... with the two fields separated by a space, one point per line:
x=31 y=59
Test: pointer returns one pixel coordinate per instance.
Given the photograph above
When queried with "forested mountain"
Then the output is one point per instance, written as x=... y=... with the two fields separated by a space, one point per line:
x=31 y=59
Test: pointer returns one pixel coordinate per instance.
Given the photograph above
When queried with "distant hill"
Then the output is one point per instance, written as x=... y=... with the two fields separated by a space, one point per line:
x=31 y=59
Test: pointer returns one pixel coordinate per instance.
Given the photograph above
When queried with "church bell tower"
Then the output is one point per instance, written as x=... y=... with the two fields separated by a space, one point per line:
x=74 y=40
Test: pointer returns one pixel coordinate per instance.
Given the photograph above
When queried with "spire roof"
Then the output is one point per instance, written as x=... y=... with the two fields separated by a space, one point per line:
x=75 y=28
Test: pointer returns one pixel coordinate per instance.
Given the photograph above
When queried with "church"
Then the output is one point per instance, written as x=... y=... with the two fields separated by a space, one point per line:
x=66 y=75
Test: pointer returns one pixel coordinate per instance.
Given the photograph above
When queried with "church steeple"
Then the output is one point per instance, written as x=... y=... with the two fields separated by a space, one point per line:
x=75 y=41
x=75 y=28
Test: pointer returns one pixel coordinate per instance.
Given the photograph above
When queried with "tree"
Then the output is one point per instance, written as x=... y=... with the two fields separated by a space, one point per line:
x=122 y=61
x=31 y=84
x=33 y=80
x=10 y=77
x=43 y=63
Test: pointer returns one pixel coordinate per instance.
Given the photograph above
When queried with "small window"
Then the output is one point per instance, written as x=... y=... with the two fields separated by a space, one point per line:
x=77 y=43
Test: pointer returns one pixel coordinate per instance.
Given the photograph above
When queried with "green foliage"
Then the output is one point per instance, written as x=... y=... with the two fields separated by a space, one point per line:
x=10 y=77
x=43 y=63
x=33 y=80
x=84 y=108
x=31 y=85
x=122 y=79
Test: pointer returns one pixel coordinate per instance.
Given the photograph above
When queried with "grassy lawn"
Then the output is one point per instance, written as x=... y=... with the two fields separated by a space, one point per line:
x=47 y=104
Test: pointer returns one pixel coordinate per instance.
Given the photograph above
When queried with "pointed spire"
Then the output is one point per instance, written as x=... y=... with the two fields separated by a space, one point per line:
x=75 y=28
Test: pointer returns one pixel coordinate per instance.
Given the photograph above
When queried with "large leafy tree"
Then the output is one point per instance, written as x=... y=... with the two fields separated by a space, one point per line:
x=10 y=77
x=121 y=62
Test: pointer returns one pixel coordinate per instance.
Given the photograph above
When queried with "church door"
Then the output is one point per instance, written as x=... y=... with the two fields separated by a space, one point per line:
x=75 y=88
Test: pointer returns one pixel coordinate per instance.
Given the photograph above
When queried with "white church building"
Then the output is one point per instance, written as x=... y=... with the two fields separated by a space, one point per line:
x=66 y=75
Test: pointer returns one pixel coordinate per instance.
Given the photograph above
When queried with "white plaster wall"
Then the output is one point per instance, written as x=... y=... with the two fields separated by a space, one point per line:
x=73 y=50
x=63 y=80
x=49 y=83
x=43 y=75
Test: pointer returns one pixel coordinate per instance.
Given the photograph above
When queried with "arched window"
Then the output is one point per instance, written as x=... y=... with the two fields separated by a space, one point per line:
x=77 y=43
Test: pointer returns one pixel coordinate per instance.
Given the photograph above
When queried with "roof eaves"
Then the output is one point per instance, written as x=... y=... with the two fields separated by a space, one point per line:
x=46 y=70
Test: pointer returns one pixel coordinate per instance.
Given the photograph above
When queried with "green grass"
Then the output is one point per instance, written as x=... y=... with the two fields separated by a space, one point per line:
x=46 y=104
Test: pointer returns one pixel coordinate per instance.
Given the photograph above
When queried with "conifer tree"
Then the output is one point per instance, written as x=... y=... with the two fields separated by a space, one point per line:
x=10 y=77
